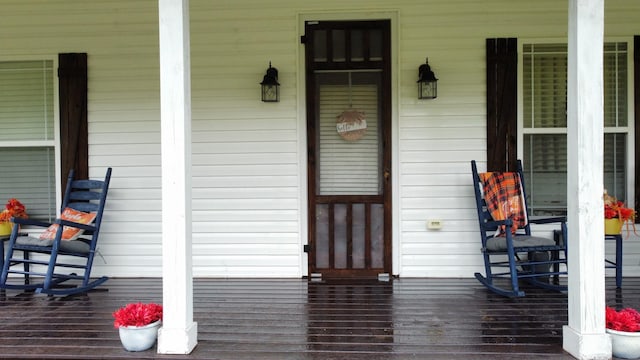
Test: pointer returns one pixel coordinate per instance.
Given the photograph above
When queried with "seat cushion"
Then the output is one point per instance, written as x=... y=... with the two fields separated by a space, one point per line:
x=500 y=243
x=76 y=246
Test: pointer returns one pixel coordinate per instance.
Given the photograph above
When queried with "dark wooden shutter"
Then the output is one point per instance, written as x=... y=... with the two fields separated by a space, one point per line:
x=502 y=83
x=74 y=143
x=636 y=106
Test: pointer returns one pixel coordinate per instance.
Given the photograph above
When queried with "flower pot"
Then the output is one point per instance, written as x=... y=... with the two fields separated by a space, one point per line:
x=5 y=228
x=625 y=345
x=139 y=338
x=612 y=226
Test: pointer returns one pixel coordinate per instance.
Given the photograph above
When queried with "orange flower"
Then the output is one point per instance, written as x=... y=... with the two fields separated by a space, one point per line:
x=13 y=208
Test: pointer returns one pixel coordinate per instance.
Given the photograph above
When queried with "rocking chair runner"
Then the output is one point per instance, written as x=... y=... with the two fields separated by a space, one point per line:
x=509 y=250
x=51 y=259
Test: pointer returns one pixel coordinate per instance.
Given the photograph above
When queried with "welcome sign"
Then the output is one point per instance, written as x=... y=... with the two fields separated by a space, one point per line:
x=351 y=125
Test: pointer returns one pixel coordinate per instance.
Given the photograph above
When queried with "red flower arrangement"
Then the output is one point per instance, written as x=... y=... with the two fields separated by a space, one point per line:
x=137 y=314
x=627 y=319
x=13 y=208
x=615 y=209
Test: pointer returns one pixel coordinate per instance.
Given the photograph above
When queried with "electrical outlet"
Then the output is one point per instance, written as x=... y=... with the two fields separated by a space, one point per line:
x=434 y=224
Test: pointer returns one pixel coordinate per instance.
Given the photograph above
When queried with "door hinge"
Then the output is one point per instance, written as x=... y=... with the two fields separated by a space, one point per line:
x=303 y=39
x=306 y=248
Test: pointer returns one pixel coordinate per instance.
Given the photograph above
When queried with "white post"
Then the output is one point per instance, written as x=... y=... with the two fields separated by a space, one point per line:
x=179 y=332
x=585 y=337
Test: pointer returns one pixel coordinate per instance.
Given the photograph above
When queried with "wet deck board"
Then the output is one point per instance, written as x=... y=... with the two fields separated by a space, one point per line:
x=294 y=319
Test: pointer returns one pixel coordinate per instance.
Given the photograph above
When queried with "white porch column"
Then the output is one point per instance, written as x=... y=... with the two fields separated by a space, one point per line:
x=584 y=337
x=179 y=332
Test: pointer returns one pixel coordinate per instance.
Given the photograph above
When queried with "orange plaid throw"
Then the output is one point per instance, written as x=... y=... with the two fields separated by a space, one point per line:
x=503 y=195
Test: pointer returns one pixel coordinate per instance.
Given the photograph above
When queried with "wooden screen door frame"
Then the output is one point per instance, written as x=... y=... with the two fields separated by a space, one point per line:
x=349 y=235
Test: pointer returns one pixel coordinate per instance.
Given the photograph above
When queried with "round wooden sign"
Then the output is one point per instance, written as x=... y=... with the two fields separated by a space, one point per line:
x=351 y=124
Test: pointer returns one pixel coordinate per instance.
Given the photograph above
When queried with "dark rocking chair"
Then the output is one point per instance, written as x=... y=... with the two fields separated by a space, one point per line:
x=512 y=254
x=53 y=259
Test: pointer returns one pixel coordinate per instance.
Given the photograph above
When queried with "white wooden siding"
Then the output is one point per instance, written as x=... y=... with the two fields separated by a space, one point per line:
x=247 y=168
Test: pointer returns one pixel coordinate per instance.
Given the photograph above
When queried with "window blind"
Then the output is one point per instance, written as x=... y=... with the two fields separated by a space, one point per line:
x=544 y=81
x=27 y=114
x=348 y=167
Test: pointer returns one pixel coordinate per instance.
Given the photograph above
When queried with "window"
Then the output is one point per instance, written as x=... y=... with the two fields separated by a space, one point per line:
x=28 y=146
x=544 y=124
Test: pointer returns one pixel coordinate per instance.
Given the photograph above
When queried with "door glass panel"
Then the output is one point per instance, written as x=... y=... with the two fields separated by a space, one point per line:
x=340 y=236
x=357 y=51
x=320 y=46
x=338 y=42
x=350 y=149
x=358 y=236
x=375 y=45
x=322 y=236
x=377 y=236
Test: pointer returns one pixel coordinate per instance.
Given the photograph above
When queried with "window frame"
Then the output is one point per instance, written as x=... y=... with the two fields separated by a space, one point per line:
x=630 y=192
x=55 y=142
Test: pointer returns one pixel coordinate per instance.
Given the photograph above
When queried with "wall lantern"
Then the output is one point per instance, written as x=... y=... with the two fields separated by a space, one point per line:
x=427 y=82
x=270 y=85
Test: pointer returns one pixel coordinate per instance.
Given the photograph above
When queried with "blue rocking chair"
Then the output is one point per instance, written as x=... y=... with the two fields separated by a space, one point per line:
x=509 y=250
x=53 y=259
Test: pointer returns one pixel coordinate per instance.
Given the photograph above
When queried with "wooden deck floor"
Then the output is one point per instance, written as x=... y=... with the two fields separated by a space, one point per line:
x=293 y=319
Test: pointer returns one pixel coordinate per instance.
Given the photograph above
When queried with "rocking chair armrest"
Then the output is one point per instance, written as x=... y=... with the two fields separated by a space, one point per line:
x=31 y=222
x=550 y=220
x=492 y=224
x=75 y=224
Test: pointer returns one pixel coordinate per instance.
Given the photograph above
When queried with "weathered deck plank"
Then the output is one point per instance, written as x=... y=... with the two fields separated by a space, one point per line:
x=292 y=319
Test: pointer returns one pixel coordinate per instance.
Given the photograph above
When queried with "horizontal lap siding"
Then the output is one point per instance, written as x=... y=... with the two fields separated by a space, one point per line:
x=246 y=184
x=438 y=138
x=247 y=168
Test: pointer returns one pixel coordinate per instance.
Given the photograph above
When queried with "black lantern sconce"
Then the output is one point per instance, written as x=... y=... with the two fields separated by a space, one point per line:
x=270 y=85
x=427 y=82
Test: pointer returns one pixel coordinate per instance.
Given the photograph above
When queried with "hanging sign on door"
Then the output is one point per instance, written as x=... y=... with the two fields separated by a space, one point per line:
x=351 y=124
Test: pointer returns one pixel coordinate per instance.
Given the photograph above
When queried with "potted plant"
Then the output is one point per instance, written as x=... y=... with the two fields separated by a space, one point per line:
x=13 y=208
x=138 y=324
x=616 y=215
x=624 y=328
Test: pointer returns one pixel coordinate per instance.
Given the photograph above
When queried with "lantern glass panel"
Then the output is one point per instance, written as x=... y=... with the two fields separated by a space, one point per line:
x=270 y=93
x=427 y=90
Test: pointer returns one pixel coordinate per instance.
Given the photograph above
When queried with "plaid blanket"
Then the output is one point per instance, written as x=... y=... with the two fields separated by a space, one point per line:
x=503 y=195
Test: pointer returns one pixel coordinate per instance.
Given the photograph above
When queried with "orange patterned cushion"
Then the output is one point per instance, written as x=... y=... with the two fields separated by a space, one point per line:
x=68 y=232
